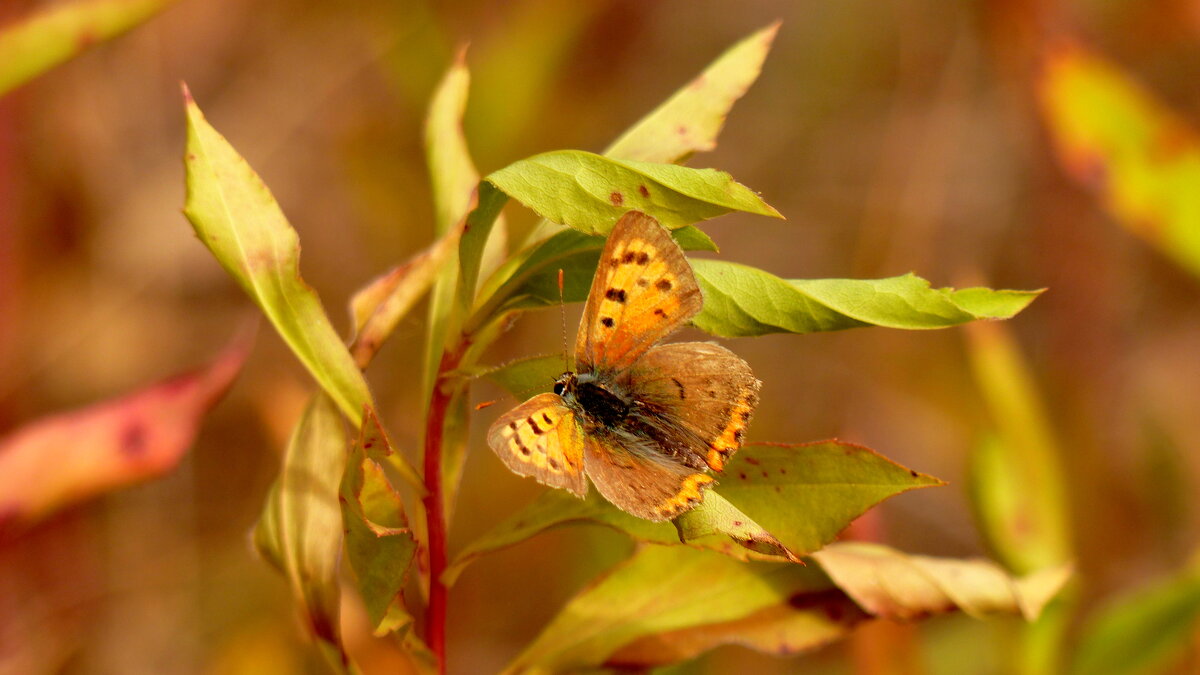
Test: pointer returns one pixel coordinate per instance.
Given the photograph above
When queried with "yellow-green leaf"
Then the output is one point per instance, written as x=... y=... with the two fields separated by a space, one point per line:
x=1113 y=137
x=379 y=545
x=1144 y=631
x=742 y=301
x=300 y=530
x=237 y=218
x=669 y=604
x=805 y=494
x=691 y=119
x=35 y=44
x=1015 y=478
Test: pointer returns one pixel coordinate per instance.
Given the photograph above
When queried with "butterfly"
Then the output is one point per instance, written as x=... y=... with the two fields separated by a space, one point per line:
x=645 y=422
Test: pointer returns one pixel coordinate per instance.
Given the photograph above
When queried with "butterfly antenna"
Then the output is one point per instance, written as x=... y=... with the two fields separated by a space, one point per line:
x=562 y=306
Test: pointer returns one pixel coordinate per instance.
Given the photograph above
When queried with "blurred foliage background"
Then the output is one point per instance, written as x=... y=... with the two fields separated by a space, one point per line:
x=896 y=136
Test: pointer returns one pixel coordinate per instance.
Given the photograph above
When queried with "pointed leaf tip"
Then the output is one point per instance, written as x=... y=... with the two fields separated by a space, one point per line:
x=187 y=93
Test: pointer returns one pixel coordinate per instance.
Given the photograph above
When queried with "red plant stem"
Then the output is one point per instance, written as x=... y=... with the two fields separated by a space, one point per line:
x=435 y=516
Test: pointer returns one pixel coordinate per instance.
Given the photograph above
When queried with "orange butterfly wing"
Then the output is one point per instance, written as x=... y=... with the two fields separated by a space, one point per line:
x=542 y=438
x=702 y=387
x=643 y=291
x=637 y=479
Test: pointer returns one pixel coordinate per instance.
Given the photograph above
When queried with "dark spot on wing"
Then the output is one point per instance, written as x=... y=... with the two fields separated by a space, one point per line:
x=614 y=262
x=628 y=257
x=616 y=198
x=643 y=257
x=553 y=463
x=660 y=313
x=751 y=460
x=607 y=321
x=643 y=282
x=522 y=447
x=644 y=191
x=663 y=285
x=547 y=418
x=533 y=424
x=617 y=294
x=682 y=390
x=512 y=425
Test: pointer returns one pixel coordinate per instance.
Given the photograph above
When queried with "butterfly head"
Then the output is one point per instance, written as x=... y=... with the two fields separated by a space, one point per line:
x=564 y=386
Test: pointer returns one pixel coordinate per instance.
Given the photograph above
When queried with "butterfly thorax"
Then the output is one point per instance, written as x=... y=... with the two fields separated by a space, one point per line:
x=599 y=404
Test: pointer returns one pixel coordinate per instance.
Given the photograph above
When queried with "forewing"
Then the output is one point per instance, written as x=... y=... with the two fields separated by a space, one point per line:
x=703 y=387
x=638 y=480
x=643 y=291
x=542 y=438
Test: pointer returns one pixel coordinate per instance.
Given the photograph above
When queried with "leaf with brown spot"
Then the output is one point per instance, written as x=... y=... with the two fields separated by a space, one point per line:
x=237 y=218
x=703 y=104
x=805 y=494
x=379 y=545
x=72 y=456
x=573 y=187
x=379 y=306
x=59 y=32
x=669 y=604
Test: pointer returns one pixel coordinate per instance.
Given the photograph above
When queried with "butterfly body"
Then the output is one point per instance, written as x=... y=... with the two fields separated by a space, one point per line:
x=646 y=422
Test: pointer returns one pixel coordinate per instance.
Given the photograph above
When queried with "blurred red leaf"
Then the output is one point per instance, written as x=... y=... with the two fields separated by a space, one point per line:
x=71 y=456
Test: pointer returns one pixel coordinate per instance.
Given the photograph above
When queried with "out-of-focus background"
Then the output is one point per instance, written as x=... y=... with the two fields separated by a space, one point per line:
x=895 y=136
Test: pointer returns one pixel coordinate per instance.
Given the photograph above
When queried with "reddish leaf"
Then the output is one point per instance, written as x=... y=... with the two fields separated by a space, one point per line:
x=75 y=455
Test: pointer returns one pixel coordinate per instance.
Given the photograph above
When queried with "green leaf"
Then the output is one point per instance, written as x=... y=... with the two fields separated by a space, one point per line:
x=806 y=494
x=37 y=43
x=75 y=455
x=669 y=604
x=236 y=217
x=379 y=545
x=1145 y=631
x=1141 y=158
x=480 y=223
x=555 y=508
x=775 y=502
x=741 y=301
x=454 y=180
x=589 y=192
x=715 y=522
x=1015 y=478
x=699 y=109
x=659 y=592
x=898 y=586
x=300 y=530
x=691 y=119
x=526 y=378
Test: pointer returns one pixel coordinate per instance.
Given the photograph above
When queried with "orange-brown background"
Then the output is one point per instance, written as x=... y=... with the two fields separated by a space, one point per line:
x=895 y=136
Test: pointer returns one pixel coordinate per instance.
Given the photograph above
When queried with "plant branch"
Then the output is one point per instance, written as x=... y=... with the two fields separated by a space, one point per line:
x=435 y=513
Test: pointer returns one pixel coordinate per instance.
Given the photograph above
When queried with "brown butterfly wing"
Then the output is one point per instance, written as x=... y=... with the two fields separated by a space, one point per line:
x=637 y=479
x=643 y=291
x=542 y=438
x=702 y=387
